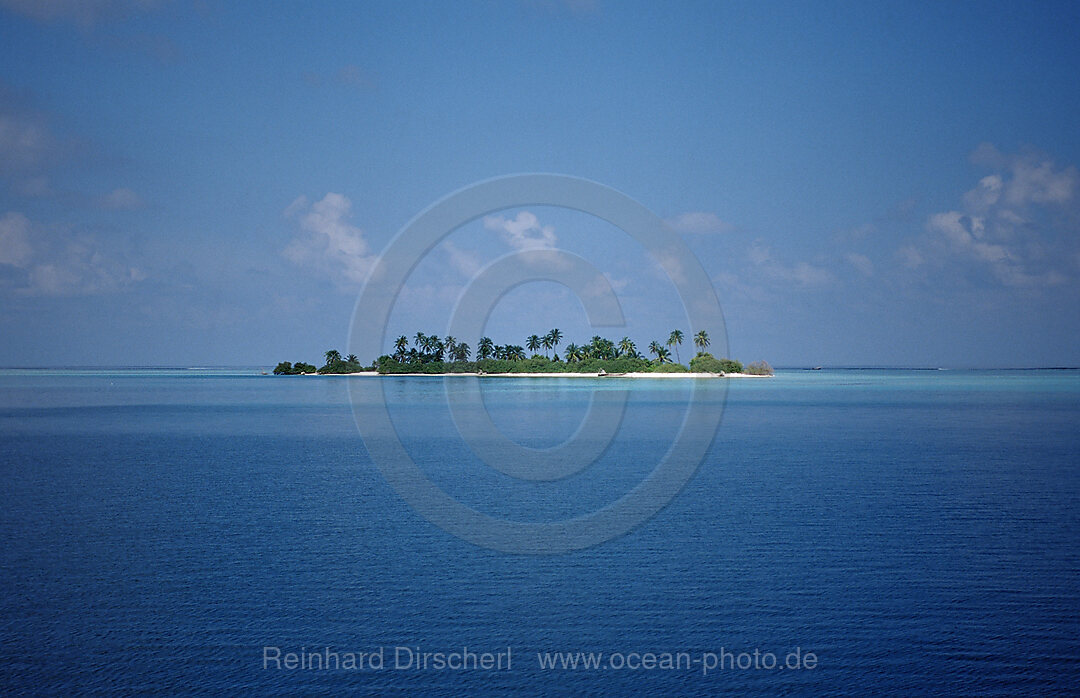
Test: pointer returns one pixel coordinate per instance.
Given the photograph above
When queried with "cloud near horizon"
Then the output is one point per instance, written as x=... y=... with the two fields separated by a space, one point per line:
x=1017 y=223
x=522 y=232
x=330 y=245
x=802 y=273
x=121 y=199
x=84 y=13
x=699 y=223
x=38 y=260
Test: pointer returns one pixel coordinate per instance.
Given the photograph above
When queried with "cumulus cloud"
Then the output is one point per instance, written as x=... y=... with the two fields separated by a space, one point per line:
x=801 y=273
x=1009 y=224
x=330 y=245
x=910 y=256
x=15 y=247
x=698 y=223
x=523 y=232
x=122 y=199
x=861 y=262
x=26 y=143
x=51 y=261
x=1040 y=182
x=82 y=12
x=464 y=261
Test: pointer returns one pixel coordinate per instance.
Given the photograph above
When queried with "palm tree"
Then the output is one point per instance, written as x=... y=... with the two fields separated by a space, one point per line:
x=655 y=348
x=533 y=343
x=663 y=355
x=701 y=340
x=554 y=337
x=450 y=342
x=572 y=354
x=515 y=352
x=674 y=340
x=484 y=348
x=596 y=347
x=401 y=345
x=352 y=359
x=627 y=347
x=546 y=341
x=419 y=339
x=332 y=357
x=461 y=352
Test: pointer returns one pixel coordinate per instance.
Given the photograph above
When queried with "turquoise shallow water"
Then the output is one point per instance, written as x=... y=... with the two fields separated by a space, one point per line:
x=917 y=531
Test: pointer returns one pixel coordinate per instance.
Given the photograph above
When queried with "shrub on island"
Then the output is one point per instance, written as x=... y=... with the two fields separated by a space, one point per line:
x=343 y=367
x=759 y=368
x=286 y=368
x=705 y=362
x=537 y=364
x=667 y=367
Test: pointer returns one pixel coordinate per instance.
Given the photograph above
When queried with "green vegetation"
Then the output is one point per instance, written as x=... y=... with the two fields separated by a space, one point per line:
x=705 y=362
x=334 y=364
x=674 y=340
x=431 y=354
x=759 y=368
x=288 y=369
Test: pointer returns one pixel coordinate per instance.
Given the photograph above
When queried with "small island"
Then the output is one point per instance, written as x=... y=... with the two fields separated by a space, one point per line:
x=432 y=355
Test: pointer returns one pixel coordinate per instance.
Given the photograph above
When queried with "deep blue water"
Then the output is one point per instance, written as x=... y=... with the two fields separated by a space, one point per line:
x=918 y=532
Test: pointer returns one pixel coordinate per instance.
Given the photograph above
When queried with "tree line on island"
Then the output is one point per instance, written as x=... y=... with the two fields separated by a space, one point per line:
x=432 y=354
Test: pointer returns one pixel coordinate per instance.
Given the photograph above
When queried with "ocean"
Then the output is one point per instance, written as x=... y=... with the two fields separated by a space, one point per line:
x=848 y=532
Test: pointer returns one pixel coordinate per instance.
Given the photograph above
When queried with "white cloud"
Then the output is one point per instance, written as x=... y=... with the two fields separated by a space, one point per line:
x=56 y=262
x=331 y=246
x=802 y=273
x=1016 y=223
x=82 y=12
x=965 y=234
x=698 y=223
x=122 y=199
x=986 y=194
x=464 y=261
x=15 y=240
x=910 y=256
x=1040 y=182
x=523 y=232
x=861 y=262
x=25 y=142
x=602 y=283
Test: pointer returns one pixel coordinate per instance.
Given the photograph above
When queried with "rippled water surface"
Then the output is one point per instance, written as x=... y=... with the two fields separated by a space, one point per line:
x=916 y=531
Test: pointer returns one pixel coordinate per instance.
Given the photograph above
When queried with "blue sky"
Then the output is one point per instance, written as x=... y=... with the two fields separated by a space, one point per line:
x=865 y=183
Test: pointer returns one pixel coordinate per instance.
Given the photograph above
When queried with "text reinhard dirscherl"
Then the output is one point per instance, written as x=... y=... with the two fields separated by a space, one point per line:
x=416 y=659
x=397 y=658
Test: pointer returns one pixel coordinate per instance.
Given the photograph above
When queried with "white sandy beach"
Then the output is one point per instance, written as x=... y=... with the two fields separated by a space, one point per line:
x=551 y=375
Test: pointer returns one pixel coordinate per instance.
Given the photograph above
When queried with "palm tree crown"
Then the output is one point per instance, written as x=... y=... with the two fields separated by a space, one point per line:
x=554 y=337
x=701 y=340
x=674 y=340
